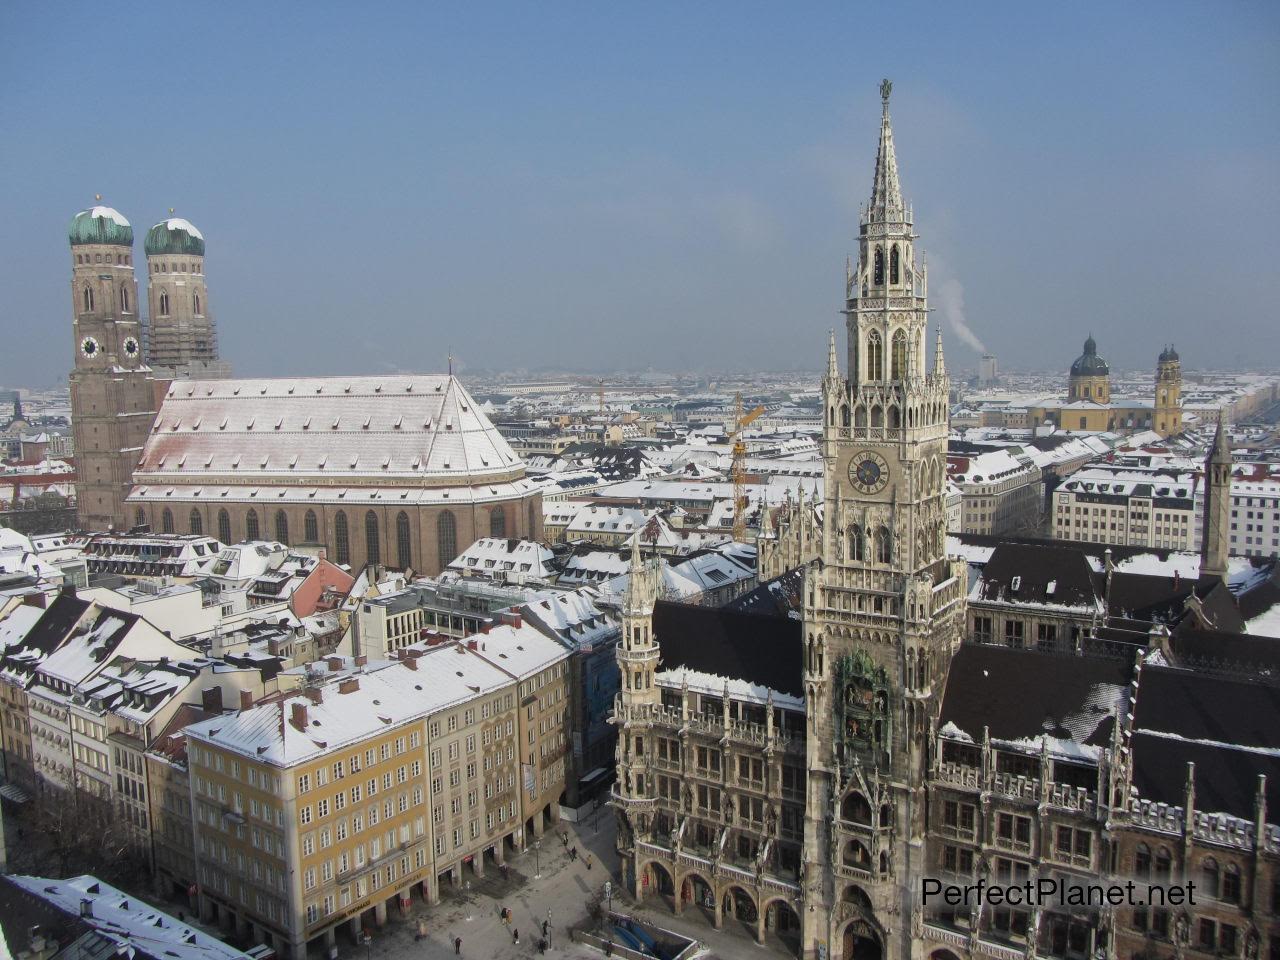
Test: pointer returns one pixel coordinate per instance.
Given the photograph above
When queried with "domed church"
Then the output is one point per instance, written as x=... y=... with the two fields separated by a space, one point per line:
x=1090 y=407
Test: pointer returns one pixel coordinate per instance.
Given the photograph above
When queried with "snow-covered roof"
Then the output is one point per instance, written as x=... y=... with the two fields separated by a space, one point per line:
x=130 y=922
x=492 y=555
x=716 y=685
x=178 y=223
x=414 y=431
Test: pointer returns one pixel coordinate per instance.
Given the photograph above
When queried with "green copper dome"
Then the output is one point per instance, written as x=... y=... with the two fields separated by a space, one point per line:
x=100 y=225
x=174 y=236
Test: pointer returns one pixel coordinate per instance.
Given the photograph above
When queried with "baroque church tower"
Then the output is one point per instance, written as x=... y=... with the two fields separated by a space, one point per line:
x=1168 y=407
x=883 y=607
x=113 y=401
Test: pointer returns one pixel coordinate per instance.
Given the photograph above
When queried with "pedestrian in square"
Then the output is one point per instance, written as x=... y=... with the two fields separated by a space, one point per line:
x=457 y=946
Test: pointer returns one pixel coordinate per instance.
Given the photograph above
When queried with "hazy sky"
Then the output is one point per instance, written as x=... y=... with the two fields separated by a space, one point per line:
x=610 y=186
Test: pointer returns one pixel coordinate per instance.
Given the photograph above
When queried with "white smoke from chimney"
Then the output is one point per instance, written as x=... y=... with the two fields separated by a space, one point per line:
x=951 y=301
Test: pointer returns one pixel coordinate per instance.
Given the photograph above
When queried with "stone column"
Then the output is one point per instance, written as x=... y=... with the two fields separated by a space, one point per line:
x=760 y=926
x=380 y=913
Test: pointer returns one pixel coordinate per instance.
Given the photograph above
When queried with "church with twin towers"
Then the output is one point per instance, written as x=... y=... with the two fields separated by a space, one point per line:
x=123 y=356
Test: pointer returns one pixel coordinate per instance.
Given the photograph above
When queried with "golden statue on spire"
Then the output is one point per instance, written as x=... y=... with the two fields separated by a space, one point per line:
x=886 y=88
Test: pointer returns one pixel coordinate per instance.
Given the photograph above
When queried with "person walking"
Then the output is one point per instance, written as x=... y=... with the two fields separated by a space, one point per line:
x=515 y=936
x=457 y=946
x=587 y=857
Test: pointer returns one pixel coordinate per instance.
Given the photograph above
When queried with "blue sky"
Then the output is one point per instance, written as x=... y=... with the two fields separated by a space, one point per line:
x=608 y=186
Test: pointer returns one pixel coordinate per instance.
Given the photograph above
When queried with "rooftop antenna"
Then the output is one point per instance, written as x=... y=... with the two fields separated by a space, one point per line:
x=451 y=365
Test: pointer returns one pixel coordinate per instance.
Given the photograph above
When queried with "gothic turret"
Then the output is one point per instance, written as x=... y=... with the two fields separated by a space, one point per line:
x=1215 y=535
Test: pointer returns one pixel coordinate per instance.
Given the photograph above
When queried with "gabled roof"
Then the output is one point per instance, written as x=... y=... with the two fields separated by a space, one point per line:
x=1045 y=574
x=758 y=648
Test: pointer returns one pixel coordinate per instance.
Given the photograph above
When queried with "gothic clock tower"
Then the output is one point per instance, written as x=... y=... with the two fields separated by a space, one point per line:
x=884 y=607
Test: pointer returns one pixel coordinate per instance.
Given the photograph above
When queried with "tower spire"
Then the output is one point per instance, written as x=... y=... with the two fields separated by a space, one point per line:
x=886 y=195
x=939 y=362
x=833 y=364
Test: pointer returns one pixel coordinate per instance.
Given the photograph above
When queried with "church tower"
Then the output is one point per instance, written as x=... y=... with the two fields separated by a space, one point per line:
x=113 y=399
x=1215 y=542
x=1168 y=406
x=884 y=609
x=182 y=336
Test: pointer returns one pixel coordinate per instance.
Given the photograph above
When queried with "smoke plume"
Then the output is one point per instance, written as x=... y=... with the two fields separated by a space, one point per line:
x=951 y=299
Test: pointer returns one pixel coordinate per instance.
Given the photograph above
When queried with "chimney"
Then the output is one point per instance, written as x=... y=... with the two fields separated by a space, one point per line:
x=512 y=619
x=349 y=685
x=36 y=600
x=411 y=663
x=246 y=699
x=315 y=695
x=211 y=699
x=86 y=907
x=333 y=663
x=472 y=645
x=298 y=717
x=486 y=626
x=362 y=661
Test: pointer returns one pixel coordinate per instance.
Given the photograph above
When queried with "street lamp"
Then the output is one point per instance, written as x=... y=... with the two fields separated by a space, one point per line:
x=367 y=940
x=537 y=859
x=546 y=929
x=608 y=892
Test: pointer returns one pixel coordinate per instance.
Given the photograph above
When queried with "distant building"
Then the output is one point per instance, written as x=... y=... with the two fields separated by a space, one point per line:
x=988 y=370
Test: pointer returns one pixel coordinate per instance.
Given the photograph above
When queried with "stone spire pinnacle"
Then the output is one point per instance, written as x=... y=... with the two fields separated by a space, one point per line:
x=939 y=361
x=1221 y=451
x=886 y=195
x=833 y=364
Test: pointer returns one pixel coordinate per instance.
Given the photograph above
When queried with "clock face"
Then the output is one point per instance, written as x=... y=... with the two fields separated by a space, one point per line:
x=89 y=347
x=868 y=472
x=131 y=347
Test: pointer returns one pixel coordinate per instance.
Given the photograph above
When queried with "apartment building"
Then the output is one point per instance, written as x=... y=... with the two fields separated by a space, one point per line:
x=316 y=809
x=1000 y=492
x=1128 y=506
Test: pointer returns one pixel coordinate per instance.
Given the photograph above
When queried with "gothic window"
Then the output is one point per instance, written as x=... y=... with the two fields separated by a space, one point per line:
x=498 y=522
x=166 y=521
x=372 y=553
x=844 y=416
x=196 y=522
x=1209 y=876
x=855 y=542
x=857 y=855
x=139 y=518
x=878 y=274
x=124 y=299
x=404 y=550
x=856 y=809
x=282 y=526
x=860 y=417
x=164 y=303
x=197 y=301
x=224 y=526
x=446 y=537
x=877 y=417
x=251 y=531
x=893 y=264
x=88 y=299
x=310 y=528
x=899 y=355
x=875 y=356
x=341 y=541
x=895 y=418
x=884 y=545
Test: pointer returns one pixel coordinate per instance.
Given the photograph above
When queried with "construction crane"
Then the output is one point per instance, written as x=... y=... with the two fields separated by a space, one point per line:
x=739 y=471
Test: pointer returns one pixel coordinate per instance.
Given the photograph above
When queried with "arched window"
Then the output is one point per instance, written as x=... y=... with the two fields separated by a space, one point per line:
x=498 y=522
x=878 y=275
x=88 y=299
x=1142 y=861
x=166 y=521
x=195 y=522
x=372 y=553
x=893 y=264
x=404 y=547
x=251 y=531
x=197 y=303
x=1231 y=884
x=310 y=529
x=875 y=356
x=855 y=542
x=124 y=299
x=1209 y=876
x=884 y=545
x=446 y=537
x=282 y=526
x=139 y=517
x=1164 y=862
x=899 y=358
x=164 y=303
x=341 y=541
x=856 y=809
x=857 y=855
x=224 y=526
